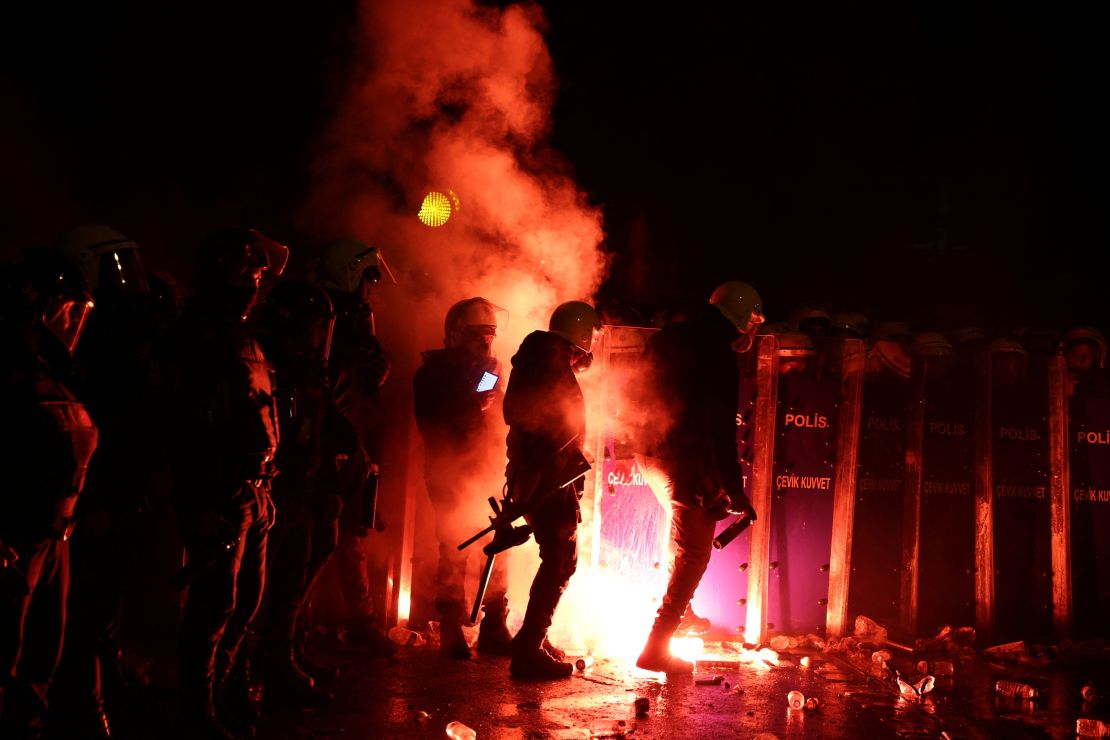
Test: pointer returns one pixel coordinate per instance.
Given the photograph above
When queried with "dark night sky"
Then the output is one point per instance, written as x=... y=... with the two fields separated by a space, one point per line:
x=879 y=157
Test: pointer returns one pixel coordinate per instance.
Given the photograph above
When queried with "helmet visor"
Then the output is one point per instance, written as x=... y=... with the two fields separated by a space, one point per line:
x=65 y=318
x=121 y=271
x=267 y=254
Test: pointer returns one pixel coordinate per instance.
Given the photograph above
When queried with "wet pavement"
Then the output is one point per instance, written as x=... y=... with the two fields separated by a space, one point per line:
x=417 y=693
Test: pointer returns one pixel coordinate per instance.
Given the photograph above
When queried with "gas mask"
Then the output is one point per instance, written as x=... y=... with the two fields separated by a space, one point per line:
x=580 y=360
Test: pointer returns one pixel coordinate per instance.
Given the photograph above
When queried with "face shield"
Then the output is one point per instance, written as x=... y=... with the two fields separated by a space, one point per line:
x=266 y=254
x=65 y=317
x=120 y=271
x=582 y=359
x=478 y=339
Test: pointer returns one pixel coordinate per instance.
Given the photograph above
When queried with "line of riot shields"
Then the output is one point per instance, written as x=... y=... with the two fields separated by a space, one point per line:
x=969 y=488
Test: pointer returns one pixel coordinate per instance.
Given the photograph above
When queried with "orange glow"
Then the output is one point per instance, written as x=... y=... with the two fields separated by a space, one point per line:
x=437 y=208
x=687 y=648
x=404 y=604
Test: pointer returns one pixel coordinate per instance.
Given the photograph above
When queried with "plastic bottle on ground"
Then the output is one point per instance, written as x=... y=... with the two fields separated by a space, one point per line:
x=795 y=699
x=611 y=728
x=458 y=731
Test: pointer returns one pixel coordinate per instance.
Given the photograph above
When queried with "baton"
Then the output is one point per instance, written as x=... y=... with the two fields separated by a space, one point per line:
x=732 y=531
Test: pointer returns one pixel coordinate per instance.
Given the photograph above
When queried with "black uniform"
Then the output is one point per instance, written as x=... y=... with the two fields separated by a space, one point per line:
x=306 y=494
x=357 y=368
x=693 y=371
x=227 y=438
x=120 y=382
x=48 y=439
x=458 y=463
x=545 y=411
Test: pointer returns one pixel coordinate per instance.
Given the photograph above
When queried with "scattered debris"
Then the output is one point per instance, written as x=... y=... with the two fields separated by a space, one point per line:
x=1085 y=727
x=612 y=728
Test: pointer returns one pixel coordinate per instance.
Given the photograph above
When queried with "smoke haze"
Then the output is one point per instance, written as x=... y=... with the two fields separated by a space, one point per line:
x=446 y=95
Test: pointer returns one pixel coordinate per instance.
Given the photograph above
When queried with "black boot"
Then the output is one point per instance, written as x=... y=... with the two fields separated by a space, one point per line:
x=692 y=624
x=554 y=652
x=494 y=637
x=657 y=653
x=532 y=663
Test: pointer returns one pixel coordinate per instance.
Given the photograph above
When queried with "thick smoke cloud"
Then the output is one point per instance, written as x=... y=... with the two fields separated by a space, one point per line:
x=446 y=95
x=452 y=96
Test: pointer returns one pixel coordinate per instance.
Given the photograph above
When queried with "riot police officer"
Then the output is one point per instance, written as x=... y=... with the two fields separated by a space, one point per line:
x=454 y=391
x=693 y=373
x=118 y=380
x=48 y=439
x=349 y=270
x=296 y=331
x=227 y=426
x=546 y=415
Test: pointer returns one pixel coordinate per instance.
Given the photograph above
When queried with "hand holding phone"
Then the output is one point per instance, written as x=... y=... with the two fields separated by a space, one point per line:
x=487 y=382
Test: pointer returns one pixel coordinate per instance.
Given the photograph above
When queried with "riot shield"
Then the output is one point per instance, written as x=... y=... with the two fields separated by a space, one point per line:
x=1088 y=448
x=628 y=519
x=803 y=473
x=1018 y=507
x=938 y=535
x=877 y=524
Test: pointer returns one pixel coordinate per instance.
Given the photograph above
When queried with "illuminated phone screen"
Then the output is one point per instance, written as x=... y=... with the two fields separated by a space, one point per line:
x=487 y=382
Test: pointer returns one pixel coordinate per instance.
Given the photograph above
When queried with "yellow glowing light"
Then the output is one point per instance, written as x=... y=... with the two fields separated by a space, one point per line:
x=687 y=648
x=437 y=208
x=404 y=605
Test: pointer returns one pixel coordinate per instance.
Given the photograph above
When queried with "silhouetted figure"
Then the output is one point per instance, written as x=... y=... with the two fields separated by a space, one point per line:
x=547 y=424
x=48 y=439
x=226 y=420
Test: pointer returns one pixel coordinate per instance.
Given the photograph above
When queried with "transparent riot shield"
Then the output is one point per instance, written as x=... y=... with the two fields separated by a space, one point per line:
x=938 y=536
x=1088 y=452
x=876 y=567
x=627 y=518
x=1014 y=546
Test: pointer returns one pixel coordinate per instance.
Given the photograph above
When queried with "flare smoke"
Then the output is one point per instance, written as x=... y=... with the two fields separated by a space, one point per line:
x=449 y=95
